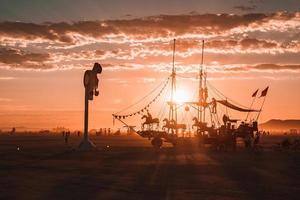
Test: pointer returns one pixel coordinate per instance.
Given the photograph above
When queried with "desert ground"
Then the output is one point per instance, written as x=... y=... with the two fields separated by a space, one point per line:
x=127 y=167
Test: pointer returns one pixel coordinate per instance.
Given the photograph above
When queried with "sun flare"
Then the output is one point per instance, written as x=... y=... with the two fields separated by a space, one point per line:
x=181 y=96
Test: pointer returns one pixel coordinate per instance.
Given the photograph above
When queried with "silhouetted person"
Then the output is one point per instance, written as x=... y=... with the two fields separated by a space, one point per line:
x=228 y=126
x=214 y=105
x=67 y=135
x=225 y=119
x=254 y=126
x=247 y=141
x=108 y=131
x=78 y=133
x=257 y=138
x=13 y=131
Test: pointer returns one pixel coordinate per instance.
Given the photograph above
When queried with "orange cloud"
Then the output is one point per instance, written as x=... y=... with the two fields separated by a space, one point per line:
x=229 y=39
x=140 y=28
x=267 y=66
x=20 y=59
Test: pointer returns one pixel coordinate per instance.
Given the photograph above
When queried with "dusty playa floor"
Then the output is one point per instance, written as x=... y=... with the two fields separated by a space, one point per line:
x=45 y=168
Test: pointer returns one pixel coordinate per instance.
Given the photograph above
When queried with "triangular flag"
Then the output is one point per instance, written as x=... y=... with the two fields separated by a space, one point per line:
x=264 y=92
x=255 y=93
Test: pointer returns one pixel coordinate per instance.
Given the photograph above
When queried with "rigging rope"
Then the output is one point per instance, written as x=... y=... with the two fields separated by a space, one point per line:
x=163 y=108
x=227 y=98
x=147 y=106
x=151 y=92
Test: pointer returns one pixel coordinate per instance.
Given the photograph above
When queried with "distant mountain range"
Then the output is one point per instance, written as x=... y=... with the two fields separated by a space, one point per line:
x=280 y=125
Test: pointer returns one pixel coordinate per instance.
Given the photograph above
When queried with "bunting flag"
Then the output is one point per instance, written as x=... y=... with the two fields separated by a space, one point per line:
x=264 y=92
x=144 y=108
x=255 y=93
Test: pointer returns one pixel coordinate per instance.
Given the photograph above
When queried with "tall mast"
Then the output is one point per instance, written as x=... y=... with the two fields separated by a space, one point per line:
x=200 y=94
x=173 y=112
x=205 y=87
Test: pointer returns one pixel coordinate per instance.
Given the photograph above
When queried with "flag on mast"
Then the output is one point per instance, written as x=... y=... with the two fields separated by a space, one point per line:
x=264 y=92
x=255 y=93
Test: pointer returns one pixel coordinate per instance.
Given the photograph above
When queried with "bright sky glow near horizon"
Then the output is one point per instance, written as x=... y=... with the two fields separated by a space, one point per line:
x=45 y=46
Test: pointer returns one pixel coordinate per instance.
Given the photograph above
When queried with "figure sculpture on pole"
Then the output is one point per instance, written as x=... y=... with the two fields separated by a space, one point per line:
x=90 y=82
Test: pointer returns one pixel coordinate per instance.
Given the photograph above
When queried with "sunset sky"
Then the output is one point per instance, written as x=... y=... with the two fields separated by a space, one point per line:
x=45 y=46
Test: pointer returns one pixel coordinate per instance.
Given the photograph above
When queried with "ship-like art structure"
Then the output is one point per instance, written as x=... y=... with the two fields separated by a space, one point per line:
x=207 y=118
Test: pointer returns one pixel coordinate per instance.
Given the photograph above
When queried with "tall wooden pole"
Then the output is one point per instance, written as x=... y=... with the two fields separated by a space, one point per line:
x=173 y=85
x=174 y=81
x=204 y=84
x=173 y=106
x=86 y=115
x=200 y=94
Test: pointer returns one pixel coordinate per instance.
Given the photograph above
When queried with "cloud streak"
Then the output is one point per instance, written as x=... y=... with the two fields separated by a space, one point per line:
x=266 y=67
x=130 y=44
x=21 y=59
x=139 y=28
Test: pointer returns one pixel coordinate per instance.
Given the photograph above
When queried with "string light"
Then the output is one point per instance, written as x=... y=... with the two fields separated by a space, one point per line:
x=146 y=107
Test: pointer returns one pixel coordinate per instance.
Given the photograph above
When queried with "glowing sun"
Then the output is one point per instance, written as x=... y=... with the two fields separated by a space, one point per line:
x=181 y=96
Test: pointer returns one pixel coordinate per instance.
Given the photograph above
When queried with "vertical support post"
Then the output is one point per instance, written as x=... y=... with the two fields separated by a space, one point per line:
x=86 y=144
x=86 y=115
x=173 y=105
x=173 y=85
x=200 y=90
